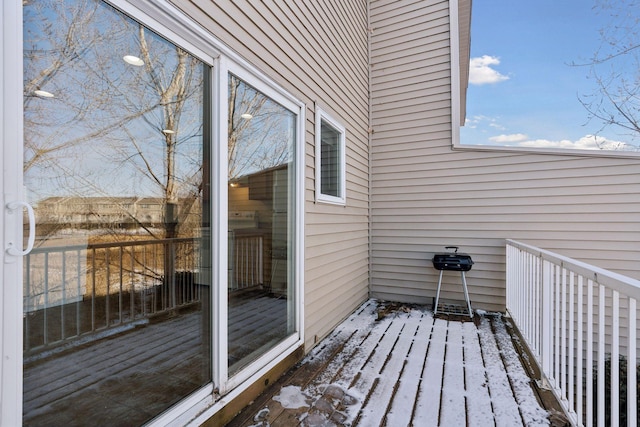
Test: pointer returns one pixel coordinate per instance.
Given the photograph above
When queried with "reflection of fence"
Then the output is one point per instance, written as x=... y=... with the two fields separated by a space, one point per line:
x=580 y=322
x=246 y=261
x=73 y=291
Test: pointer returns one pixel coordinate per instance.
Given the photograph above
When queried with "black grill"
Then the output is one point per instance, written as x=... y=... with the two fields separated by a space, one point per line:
x=452 y=261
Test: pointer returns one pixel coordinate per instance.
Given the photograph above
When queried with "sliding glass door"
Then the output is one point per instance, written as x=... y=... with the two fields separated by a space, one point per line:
x=157 y=177
x=116 y=323
x=261 y=173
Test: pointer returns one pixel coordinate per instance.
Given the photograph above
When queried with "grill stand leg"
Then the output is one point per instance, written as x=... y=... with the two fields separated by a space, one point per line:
x=435 y=306
x=466 y=294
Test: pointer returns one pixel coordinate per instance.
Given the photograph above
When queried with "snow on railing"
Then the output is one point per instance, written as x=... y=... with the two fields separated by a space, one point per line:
x=581 y=324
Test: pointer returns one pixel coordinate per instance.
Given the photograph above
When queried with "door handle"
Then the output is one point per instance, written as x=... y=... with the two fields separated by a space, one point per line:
x=11 y=246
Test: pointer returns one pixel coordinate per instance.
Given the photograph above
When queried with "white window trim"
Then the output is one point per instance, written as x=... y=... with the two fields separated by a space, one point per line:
x=456 y=144
x=326 y=198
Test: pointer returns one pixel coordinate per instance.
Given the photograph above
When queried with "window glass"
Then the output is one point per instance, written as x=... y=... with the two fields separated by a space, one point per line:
x=329 y=160
x=554 y=75
x=116 y=291
x=261 y=138
x=330 y=178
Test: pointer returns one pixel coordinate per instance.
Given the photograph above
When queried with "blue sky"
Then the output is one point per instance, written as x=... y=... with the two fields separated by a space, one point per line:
x=525 y=87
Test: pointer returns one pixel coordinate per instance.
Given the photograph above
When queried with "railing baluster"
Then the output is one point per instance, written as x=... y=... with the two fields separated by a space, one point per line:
x=132 y=286
x=589 y=363
x=579 y=344
x=107 y=300
x=556 y=319
x=121 y=279
x=570 y=345
x=601 y=355
x=632 y=391
x=536 y=292
x=614 y=382
x=78 y=290
x=546 y=347
x=93 y=289
x=45 y=322
x=562 y=370
x=143 y=288
x=64 y=293
x=29 y=302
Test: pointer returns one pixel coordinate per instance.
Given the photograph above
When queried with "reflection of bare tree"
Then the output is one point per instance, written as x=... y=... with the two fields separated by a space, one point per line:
x=105 y=127
x=259 y=130
x=614 y=67
x=98 y=127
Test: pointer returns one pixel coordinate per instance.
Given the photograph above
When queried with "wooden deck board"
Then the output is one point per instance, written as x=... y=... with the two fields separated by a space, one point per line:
x=453 y=403
x=389 y=374
x=427 y=405
x=505 y=407
x=406 y=369
x=409 y=383
x=479 y=407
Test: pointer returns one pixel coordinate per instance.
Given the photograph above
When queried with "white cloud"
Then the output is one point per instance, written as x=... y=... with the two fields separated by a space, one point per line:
x=587 y=142
x=514 y=137
x=480 y=121
x=480 y=71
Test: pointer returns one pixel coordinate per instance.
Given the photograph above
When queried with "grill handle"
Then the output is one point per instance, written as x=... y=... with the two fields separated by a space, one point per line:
x=452 y=247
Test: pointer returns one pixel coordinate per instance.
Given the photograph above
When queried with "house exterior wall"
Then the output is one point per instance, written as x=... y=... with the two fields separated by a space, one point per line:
x=318 y=52
x=425 y=195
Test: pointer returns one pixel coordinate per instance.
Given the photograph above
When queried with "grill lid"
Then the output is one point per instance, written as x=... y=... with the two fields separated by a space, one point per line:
x=453 y=261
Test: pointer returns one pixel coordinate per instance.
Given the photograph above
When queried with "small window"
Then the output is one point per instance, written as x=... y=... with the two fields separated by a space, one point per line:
x=330 y=160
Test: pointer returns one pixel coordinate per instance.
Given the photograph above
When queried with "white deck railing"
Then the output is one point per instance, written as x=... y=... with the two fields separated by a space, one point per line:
x=580 y=323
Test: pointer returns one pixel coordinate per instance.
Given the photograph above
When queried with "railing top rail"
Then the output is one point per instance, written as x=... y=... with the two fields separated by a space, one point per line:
x=619 y=282
x=69 y=248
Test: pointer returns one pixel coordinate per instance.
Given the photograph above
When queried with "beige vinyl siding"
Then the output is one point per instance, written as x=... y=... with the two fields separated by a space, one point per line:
x=318 y=52
x=425 y=196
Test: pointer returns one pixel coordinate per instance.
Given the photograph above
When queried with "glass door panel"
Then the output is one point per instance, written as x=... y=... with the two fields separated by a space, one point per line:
x=261 y=194
x=116 y=292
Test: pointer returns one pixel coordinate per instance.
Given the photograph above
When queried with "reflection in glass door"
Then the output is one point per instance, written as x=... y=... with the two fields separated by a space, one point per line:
x=261 y=143
x=116 y=292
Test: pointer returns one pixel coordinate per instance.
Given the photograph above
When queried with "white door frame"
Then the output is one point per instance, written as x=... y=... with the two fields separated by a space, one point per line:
x=11 y=223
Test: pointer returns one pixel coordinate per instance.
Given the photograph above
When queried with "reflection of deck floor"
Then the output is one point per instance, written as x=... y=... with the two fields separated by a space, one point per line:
x=128 y=379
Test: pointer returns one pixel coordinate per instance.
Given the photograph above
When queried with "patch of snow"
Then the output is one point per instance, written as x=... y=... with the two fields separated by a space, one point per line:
x=261 y=415
x=520 y=381
x=402 y=355
x=292 y=397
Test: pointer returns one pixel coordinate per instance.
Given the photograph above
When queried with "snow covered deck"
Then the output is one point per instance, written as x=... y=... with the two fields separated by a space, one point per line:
x=405 y=368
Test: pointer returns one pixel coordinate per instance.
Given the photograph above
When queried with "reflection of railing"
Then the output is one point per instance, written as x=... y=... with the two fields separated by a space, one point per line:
x=73 y=291
x=246 y=261
x=580 y=323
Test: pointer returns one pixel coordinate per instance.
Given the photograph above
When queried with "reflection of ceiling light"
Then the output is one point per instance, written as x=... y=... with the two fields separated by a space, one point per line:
x=43 y=93
x=133 y=60
x=168 y=131
x=246 y=116
x=234 y=184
